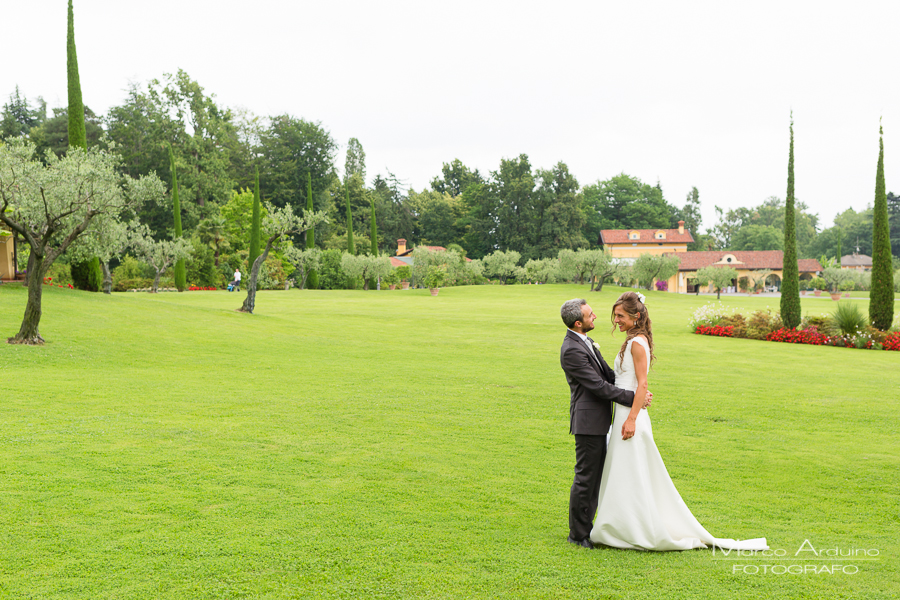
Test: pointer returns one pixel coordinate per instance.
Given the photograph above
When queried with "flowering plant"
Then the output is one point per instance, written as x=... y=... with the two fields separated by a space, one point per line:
x=717 y=330
x=709 y=314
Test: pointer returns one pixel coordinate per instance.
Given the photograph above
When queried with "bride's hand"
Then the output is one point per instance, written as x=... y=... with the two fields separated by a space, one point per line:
x=648 y=399
x=628 y=428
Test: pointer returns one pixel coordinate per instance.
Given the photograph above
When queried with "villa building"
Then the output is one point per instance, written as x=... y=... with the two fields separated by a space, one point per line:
x=626 y=245
x=765 y=265
x=7 y=255
x=856 y=262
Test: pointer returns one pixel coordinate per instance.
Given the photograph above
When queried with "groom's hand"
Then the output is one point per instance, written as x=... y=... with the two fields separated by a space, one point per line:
x=648 y=399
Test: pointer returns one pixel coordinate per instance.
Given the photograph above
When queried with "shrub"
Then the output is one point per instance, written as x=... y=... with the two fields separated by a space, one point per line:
x=123 y=285
x=815 y=321
x=817 y=283
x=404 y=273
x=738 y=324
x=87 y=275
x=201 y=267
x=61 y=274
x=848 y=319
x=331 y=276
x=130 y=268
x=271 y=274
x=762 y=323
x=662 y=286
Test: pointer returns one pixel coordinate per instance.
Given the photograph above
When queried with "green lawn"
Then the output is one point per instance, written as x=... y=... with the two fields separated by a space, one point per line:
x=395 y=445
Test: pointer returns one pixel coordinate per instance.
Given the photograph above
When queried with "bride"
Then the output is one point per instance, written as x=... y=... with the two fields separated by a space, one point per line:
x=639 y=508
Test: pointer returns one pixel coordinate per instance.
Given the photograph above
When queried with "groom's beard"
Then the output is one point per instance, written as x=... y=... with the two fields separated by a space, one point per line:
x=587 y=327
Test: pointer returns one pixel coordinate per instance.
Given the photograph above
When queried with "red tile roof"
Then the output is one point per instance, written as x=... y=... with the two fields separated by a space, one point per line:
x=645 y=236
x=396 y=262
x=745 y=259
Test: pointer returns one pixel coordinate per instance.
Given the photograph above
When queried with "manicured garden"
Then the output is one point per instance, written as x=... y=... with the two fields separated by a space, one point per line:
x=342 y=444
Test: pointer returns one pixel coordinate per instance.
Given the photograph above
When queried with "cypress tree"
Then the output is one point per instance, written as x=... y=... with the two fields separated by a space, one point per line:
x=312 y=280
x=255 y=224
x=373 y=233
x=92 y=277
x=77 y=134
x=180 y=271
x=881 y=296
x=790 y=281
x=351 y=247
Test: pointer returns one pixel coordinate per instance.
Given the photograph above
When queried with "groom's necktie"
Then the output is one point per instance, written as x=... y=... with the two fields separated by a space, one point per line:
x=590 y=346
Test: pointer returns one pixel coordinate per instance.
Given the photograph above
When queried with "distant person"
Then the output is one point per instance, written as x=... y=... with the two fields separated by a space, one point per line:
x=236 y=284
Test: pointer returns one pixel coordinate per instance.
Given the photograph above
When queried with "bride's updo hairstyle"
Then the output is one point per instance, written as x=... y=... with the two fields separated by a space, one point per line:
x=637 y=310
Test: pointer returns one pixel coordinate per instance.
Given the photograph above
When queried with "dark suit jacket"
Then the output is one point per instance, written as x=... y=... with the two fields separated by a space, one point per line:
x=591 y=382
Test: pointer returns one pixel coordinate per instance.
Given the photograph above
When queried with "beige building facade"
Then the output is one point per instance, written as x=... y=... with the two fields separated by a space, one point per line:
x=626 y=245
x=7 y=255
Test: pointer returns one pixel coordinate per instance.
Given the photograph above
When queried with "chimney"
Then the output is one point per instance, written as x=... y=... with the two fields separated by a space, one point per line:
x=401 y=246
x=681 y=227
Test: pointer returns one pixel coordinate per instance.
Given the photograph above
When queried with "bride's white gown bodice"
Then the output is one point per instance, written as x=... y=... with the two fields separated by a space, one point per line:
x=639 y=508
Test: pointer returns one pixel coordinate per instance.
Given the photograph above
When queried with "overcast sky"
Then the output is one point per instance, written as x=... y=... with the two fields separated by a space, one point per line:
x=684 y=93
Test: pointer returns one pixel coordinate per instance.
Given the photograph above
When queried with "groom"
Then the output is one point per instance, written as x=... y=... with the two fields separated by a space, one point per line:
x=592 y=384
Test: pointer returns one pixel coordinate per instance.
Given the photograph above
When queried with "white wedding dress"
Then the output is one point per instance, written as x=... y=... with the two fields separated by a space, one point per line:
x=640 y=509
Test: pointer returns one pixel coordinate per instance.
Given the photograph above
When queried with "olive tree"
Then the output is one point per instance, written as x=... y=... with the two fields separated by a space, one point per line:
x=366 y=266
x=502 y=264
x=278 y=224
x=649 y=267
x=306 y=262
x=159 y=254
x=51 y=203
x=544 y=270
x=720 y=277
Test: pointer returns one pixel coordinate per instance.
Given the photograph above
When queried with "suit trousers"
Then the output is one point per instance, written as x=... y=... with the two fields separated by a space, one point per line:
x=590 y=453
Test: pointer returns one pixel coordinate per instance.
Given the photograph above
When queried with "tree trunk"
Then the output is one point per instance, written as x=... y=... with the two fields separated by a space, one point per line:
x=28 y=333
x=718 y=293
x=107 y=278
x=599 y=284
x=29 y=268
x=156 y=281
x=250 y=300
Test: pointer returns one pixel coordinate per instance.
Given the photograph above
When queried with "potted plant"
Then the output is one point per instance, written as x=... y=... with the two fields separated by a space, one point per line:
x=744 y=285
x=835 y=278
x=847 y=287
x=404 y=273
x=392 y=279
x=819 y=286
x=435 y=279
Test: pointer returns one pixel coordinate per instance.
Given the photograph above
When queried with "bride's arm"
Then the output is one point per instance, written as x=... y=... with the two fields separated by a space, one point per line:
x=639 y=354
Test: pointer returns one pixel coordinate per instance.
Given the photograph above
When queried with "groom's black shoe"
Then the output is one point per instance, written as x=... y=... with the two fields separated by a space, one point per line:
x=585 y=543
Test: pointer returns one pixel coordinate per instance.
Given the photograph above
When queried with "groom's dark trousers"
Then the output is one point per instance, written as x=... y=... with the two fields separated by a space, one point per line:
x=591 y=382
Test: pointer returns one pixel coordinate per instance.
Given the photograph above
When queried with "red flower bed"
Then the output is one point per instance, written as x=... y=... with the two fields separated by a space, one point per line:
x=717 y=330
x=892 y=342
x=807 y=336
x=197 y=288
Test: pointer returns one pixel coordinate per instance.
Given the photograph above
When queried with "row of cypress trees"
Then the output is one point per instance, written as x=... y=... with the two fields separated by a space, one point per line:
x=881 y=296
